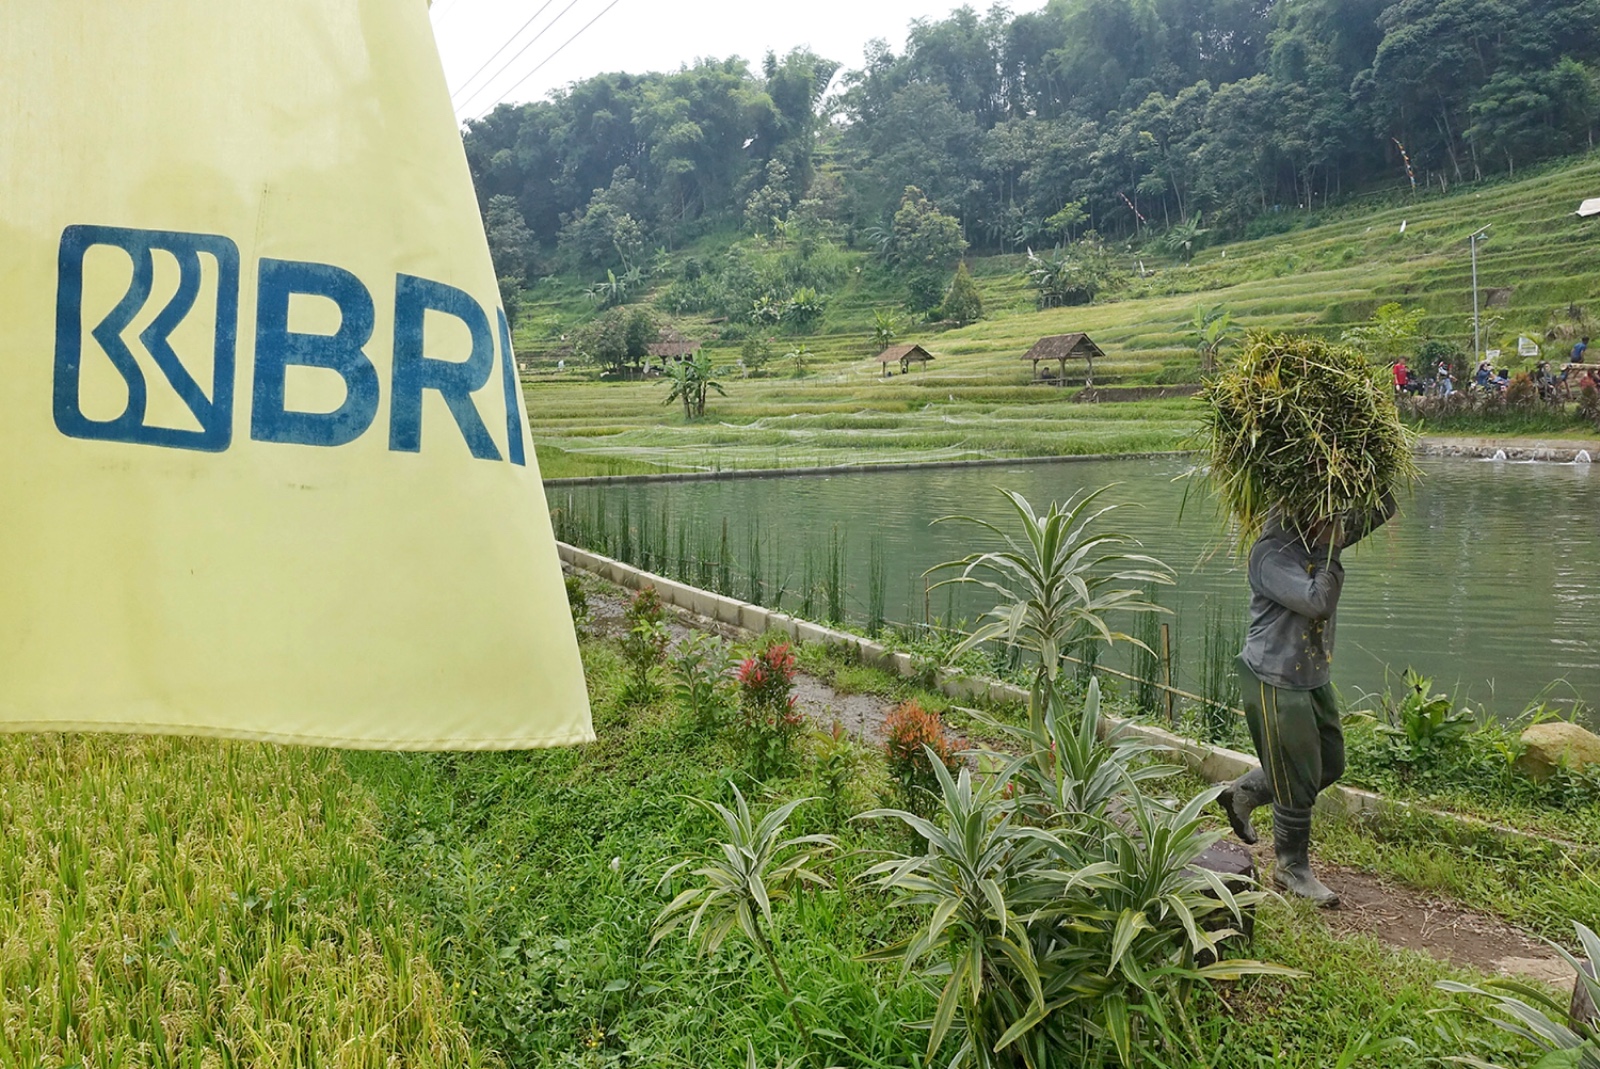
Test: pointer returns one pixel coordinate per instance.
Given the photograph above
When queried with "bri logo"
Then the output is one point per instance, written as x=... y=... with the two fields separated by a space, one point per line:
x=200 y=320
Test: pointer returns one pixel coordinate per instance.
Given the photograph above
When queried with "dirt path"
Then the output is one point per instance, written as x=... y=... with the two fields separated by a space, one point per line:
x=1392 y=913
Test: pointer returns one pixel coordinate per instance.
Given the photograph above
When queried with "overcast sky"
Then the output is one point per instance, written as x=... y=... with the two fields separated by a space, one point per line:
x=650 y=35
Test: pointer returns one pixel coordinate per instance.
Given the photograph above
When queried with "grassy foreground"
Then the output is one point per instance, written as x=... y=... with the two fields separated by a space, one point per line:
x=1328 y=272
x=186 y=902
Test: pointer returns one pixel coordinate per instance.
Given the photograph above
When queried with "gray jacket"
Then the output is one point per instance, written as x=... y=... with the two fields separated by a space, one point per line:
x=1294 y=596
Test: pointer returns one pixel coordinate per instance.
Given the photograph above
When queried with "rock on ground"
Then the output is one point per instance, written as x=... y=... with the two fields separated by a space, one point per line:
x=1555 y=743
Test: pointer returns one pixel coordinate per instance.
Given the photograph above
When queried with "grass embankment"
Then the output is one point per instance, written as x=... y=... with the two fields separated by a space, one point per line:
x=168 y=902
x=975 y=400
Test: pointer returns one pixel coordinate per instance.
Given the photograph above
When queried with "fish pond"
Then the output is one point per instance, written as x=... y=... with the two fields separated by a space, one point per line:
x=1488 y=582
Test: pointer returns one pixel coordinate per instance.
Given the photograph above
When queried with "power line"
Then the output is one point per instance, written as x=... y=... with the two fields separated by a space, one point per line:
x=519 y=53
x=503 y=47
x=551 y=56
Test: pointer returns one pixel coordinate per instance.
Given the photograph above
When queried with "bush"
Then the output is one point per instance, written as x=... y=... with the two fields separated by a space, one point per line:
x=963 y=304
x=577 y=602
x=769 y=719
x=644 y=647
x=916 y=739
x=696 y=669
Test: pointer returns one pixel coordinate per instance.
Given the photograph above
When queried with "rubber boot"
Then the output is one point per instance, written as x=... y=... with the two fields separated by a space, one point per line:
x=1243 y=797
x=1291 y=829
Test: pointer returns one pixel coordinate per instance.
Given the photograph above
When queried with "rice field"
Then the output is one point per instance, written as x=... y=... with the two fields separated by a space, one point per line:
x=1538 y=276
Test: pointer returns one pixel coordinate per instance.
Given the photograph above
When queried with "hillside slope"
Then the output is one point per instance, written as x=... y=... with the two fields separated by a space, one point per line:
x=1538 y=271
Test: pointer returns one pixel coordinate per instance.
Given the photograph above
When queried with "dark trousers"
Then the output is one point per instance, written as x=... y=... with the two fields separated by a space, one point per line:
x=1297 y=736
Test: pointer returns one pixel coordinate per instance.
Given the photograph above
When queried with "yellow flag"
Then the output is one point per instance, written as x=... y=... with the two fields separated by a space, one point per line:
x=264 y=469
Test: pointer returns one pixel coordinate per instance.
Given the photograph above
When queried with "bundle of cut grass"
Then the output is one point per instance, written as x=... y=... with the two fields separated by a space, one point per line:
x=1304 y=426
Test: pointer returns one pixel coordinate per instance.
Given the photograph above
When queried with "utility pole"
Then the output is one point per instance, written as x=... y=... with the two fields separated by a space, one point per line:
x=1477 y=330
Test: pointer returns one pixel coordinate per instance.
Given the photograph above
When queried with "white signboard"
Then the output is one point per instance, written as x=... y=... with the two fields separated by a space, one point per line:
x=1527 y=347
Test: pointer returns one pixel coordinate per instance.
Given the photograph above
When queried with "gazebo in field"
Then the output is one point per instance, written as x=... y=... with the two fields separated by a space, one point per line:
x=670 y=345
x=905 y=356
x=1064 y=347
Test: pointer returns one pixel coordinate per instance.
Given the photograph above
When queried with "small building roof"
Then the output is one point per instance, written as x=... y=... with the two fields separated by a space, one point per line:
x=1064 y=347
x=900 y=354
x=669 y=343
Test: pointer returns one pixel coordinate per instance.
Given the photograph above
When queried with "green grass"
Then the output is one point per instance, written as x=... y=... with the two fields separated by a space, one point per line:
x=1330 y=272
x=538 y=874
x=177 y=902
x=170 y=902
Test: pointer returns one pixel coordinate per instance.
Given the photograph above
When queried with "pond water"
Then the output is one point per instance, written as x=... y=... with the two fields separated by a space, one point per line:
x=1488 y=581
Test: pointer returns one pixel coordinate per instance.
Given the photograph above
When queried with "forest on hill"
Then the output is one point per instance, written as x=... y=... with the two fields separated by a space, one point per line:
x=1121 y=118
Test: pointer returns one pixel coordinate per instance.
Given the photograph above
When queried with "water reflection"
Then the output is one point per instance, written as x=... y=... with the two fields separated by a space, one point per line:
x=1489 y=581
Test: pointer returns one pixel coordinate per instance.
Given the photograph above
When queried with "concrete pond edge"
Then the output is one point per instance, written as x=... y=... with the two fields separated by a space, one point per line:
x=1214 y=764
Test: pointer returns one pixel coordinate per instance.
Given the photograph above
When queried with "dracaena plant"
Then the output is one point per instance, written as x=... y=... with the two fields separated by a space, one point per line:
x=1070 y=769
x=737 y=882
x=1067 y=916
x=1056 y=581
x=1565 y=1040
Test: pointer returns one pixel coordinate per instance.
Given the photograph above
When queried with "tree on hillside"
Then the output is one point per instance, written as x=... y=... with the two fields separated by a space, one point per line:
x=1137 y=114
x=963 y=303
x=885 y=328
x=926 y=243
x=1390 y=334
x=769 y=206
x=511 y=244
x=617 y=339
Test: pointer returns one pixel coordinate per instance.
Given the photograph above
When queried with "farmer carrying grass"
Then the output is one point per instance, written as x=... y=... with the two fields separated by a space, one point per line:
x=1295 y=581
x=1306 y=451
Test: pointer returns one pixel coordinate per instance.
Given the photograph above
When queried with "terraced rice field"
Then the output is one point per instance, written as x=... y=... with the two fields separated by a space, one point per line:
x=1538 y=272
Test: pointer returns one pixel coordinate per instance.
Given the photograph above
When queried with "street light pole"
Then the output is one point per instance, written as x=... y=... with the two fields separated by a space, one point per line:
x=1477 y=330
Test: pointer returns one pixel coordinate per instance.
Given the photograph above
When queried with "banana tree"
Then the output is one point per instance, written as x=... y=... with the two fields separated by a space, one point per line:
x=689 y=381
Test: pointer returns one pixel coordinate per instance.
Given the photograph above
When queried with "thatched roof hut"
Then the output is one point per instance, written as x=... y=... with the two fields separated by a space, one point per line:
x=1064 y=347
x=672 y=347
x=905 y=355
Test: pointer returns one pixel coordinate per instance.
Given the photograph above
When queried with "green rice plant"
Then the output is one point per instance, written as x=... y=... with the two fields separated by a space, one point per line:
x=755 y=587
x=724 y=563
x=1055 y=582
x=808 y=586
x=1146 y=667
x=1303 y=427
x=1219 y=676
x=757 y=865
x=1565 y=1040
x=169 y=901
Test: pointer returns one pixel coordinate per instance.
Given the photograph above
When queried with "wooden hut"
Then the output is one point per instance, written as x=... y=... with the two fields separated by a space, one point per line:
x=670 y=345
x=1064 y=347
x=905 y=355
